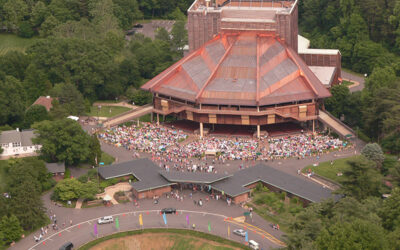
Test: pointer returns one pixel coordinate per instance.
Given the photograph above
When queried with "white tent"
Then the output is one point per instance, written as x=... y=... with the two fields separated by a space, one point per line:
x=107 y=198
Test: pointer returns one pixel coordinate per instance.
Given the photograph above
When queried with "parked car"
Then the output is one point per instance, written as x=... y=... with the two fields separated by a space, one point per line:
x=254 y=245
x=168 y=210
x=105 y=220
x=67 y=246
x=239 y=232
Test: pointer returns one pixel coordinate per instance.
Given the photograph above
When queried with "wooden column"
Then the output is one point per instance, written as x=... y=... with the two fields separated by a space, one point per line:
x=313 y=126
x=201 y=130
x=258 y=132
x=158 y=119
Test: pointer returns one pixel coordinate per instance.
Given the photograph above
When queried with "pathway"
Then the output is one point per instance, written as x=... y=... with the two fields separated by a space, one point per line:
x=354 y=78
x=127 y=116
x=334 y=124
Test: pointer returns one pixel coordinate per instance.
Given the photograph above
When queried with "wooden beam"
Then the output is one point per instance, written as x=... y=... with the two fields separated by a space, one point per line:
x=215 y=70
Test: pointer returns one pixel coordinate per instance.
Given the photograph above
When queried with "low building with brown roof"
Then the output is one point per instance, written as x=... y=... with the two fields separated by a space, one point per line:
x=45 y=101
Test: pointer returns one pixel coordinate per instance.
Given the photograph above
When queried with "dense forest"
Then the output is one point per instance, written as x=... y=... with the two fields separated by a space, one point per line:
x=81 y=54
x=367 y=33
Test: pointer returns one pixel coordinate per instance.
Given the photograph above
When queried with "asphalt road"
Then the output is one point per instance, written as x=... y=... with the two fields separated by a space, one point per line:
x=215 y=212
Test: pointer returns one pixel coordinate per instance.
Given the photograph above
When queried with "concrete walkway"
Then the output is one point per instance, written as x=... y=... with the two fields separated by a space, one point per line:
x=79 y=203
x=111 y=190
x=127 y=116
x=337 y=126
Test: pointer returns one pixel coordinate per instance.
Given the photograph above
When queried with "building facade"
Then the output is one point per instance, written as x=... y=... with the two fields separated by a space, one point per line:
x=17 y=143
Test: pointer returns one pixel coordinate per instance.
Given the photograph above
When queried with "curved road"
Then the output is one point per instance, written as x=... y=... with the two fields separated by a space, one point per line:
x=215 y=212
x=83 y=232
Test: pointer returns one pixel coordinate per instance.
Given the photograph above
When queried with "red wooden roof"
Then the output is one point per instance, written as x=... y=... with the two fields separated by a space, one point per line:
x=245 y=68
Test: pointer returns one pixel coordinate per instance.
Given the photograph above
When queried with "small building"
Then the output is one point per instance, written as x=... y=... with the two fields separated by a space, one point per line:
x=153 y=181
x=149 y=182
x=57 y=169
x=17 y=143
x=45 y=101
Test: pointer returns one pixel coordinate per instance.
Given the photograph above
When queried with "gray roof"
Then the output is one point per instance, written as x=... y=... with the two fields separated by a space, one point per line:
x=54 y=168
x=11 y=136
x=144 y=170
x=192 y=177
x=300 y=187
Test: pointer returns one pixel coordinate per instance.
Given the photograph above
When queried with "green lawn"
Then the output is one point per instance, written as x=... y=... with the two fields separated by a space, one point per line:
x=329 y=171
x=106 y=158
x=9 y=42
x=182 y=240
x=346 y=83
x=275 y=207
x=104 y=111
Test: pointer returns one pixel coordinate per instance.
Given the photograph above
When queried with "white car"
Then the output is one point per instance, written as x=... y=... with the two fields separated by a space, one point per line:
x=240 y=232
x=254 y=245
x=105 y=220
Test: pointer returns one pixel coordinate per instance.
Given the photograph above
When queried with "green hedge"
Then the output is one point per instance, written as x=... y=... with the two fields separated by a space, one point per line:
x=198 y=234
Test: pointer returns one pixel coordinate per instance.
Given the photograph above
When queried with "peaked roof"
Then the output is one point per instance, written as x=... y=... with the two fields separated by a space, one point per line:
x=245 y=68
x=45 y=101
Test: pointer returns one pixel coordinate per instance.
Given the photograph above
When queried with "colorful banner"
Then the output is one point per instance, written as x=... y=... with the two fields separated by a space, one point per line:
x=95 y=229
x=187 y=219
x=165 y=218
x=209 y=227
x=247 y=236
x=140 y=220
x=229 y=231
x=116 y=223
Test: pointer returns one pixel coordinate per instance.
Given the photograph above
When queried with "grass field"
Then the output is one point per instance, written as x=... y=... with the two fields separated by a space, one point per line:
x=329 y=171
x=346 y=83
x=177 y=239
x=106 y=158
x=9 y=42
x=105 y=111
x=275 y=207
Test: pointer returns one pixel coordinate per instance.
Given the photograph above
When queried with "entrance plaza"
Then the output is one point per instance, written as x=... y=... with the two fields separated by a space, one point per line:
x=153 y=181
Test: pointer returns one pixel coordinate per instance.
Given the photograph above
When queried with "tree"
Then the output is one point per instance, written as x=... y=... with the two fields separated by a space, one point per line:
x=26 y=204
x=163 y=35
x=71 y=189
x=25 y=30
x=179 y=37
x=70 y=98
x=177 y=15
x=48 y=26
x=95 y=151
x=357 y=234
x=390 y=210
x=14 y=12
x=373 y=152
x=35 y=83
x=35 y=113
x=39 y=14
x=138 y=96
x=11 y=229
x=63 y=140
x=362 y=179
x=126 y=11
x=12 y=100
x=68 y=189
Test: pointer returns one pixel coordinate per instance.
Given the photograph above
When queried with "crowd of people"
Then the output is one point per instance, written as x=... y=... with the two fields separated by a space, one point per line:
x=146 y=138
x=164 y=145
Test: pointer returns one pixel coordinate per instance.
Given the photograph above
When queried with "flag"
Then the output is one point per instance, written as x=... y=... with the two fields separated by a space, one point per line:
x=247 y=236
x=209 y=227
x=117 y=223
x=140 y=220
x=95 y=229
x=165 y=218
x=229 y=231
x=223 y=192
x=187 y=219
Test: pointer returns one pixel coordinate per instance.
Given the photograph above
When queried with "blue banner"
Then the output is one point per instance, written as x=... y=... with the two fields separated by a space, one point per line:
x=165 y=218
x=247 y=237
